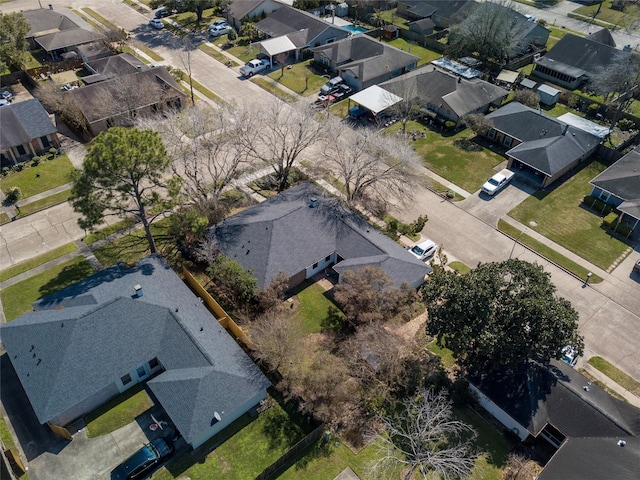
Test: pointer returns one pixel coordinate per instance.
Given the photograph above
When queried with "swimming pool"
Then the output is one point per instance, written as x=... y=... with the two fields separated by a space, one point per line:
x=354 y=29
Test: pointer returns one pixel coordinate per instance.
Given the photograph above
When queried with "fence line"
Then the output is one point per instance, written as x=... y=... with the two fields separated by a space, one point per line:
x=221 y=315
x=290 y=454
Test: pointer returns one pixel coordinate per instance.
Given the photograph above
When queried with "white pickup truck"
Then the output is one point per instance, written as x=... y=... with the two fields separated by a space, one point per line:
x=497 y=182
x=254 y=66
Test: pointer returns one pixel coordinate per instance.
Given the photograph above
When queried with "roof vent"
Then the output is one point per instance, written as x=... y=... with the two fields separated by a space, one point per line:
x=621 y=443
x=216 y=418
x=138 y=291
x=313 y=202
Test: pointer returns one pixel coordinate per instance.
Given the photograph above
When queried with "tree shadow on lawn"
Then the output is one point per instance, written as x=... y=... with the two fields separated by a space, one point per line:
x=281 y=430
x=68 y=276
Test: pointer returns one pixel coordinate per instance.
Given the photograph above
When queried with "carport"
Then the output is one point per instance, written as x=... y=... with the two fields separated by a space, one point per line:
x=375 y=99
x=276 y=46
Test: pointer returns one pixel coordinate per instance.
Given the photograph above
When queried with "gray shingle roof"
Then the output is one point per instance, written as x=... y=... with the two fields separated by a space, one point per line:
x=622 y=178
x=366 y=57
x=548 y=144
x=442 y=8
x=21 y=122
x=83 y=347
x=577 y=56
x=436 y=87
x=59 y=28
x=304 y=26
x=283 y=234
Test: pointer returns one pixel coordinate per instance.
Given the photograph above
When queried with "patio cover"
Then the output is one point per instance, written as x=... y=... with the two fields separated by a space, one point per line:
x=508 y=76
x=277 y=45
x=375 y=99
x=585 y=125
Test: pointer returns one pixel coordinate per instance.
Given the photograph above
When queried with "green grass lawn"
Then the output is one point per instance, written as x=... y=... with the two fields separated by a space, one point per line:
x=52 y=173
x=27 y=265
x=17 y=299
x=446 y=156
x=93 y=237
x=446 y=355
x=270 y=87
x=547 y=252
x=461 y=268
x=213 y=53
x=243 y=52
x=607 y=14
x=46 y=202
x=317 y=311
x=300 y=78
x=251 y=446
x=340 y=109
x=615 y=374
x=189 y=20
x=424 y=54
x=118 y=412
x=100 y=18
x=561 y=218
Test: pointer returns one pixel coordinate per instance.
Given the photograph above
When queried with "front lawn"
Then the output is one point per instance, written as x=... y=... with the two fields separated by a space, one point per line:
x=33 y=180
x=299 y=77
x=17 y=299
x=615 y=374
x=455 y=157
x=189 y=20
x=317 y=312
x=118 y=412
x=425 y=55
x=243 y=51
x=560 y=216
x=252 y=446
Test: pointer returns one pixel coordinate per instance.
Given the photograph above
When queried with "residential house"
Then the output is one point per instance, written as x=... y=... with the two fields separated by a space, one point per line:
x=596 y=435
x=541 y=147
x=422 y=27
x=443 y=13
x=303 y=231
x=125 y=325
x=57 y=31
x=363 y=61
x=292 y=30
x=444 y=96
x=26 y=130
x=239 y=11
x=619 y=186
x=573 y=61
x=121 y=88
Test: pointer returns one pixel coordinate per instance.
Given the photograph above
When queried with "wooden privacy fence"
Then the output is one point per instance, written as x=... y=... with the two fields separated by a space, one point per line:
x=223 y=318
x=292 y=453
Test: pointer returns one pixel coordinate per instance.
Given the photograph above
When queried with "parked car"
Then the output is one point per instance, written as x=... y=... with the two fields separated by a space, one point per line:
x=569 y=355
x=424 y=250
x=636 y=266
x=141 y=463
x=4 y=102
x=156 y=23
x=162 y=12
x=254 y=66
x=218 y=30
x=331 y=86
x=219 y=23
x=6 y=95
x=497 y=182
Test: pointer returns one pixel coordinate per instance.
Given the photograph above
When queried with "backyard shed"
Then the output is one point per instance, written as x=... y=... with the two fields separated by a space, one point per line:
x=548 y=95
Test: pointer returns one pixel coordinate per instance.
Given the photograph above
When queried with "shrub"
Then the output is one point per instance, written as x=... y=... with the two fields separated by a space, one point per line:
x=597 y=205
x=610 y=220
x=592 y=109
x=53 y=152
x=35 y=161
x=18 y=167
x=449 y=125
x=625 y=124
x=418 y=224
x=13 y=194
x=542 y=21
x=232 y=35
x=5 y=171
x=573 y=100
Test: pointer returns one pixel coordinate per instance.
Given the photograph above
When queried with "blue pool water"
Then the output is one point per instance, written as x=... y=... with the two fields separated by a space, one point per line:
x=354 y=29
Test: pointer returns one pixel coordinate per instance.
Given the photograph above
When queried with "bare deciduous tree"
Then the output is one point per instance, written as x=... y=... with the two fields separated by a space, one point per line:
x=369 y=163
x=64 y=104
x=282 y=133
x=527 y=97
x=274 y=337
x=425 y=438
x=409 y=105
x=478 y=122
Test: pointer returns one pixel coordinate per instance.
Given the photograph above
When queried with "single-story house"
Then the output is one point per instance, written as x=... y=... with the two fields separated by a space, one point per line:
x=619 y=185
x=125 y=325
x=422 y=27
x=574 y=60
x=302 y=29
x=443 y=13
x=444 y=96
x=363 y=61
x=239 y=11
x=134 y=89
x=596 y=435
x=541 y=147
x=26 y=130
x=303 y=231
x=57 y=31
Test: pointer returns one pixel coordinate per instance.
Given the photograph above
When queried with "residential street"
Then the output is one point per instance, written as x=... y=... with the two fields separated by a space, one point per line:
x=609 y=312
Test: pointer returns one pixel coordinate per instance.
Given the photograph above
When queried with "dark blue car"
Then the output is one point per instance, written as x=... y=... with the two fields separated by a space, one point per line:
x=144 y=461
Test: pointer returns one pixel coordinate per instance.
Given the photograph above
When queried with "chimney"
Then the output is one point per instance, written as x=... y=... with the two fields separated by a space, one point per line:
x=138 y=291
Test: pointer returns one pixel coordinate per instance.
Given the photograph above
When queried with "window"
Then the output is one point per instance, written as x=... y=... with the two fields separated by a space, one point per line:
x=141 y=372
x=315 y=265
x=492 y=133
x=507 y=141
x=153 y=363
x=327 y=258
x=21 y=150
x=45 y=142
x=126 y=379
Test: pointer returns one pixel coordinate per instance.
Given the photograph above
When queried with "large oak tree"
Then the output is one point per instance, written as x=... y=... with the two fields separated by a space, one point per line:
x=500 y=315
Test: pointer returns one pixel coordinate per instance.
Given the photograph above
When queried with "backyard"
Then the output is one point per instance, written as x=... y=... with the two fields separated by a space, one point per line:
x=316 y=312
x=560 y=216
x=455 y=157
